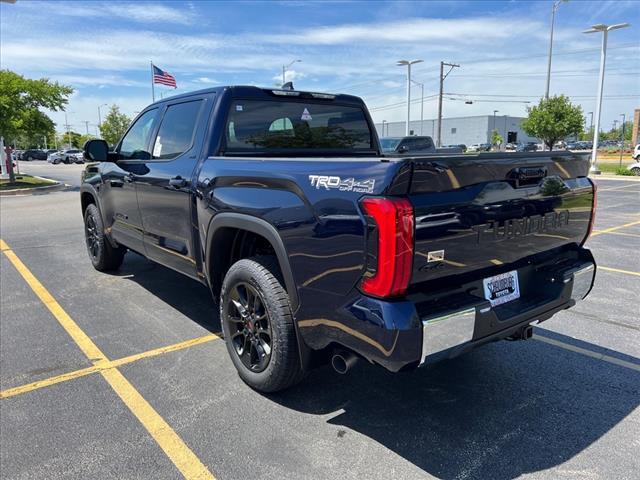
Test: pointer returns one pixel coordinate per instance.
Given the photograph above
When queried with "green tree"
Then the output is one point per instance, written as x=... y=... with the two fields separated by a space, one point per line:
x=20 y=101
x=34 y=127
x=70 y=138
x=553 y=119
x=496 y=138
x=114 y=125
x=84 y=138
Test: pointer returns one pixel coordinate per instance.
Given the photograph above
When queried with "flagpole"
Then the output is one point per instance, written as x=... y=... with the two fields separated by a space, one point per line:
x=153 y=90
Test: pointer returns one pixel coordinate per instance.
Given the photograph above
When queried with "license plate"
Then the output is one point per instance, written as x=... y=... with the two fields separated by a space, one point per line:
x=502 y=288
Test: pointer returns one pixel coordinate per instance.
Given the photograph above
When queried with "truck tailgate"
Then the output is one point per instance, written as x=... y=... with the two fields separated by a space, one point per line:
x=474 y=212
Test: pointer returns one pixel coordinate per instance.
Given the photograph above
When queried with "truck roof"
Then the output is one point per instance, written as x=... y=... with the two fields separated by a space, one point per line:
x=249 y=91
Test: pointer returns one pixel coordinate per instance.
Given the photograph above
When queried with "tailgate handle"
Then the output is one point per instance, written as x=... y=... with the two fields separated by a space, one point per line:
x=524 y=176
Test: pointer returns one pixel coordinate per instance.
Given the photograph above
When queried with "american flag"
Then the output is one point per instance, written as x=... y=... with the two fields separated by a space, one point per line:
x=164 y=78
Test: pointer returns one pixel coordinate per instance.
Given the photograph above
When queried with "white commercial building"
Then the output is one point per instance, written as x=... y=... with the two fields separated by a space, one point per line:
x=462 y=130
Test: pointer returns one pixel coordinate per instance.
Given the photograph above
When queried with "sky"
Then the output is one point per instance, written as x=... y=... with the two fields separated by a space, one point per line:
x=103 y=50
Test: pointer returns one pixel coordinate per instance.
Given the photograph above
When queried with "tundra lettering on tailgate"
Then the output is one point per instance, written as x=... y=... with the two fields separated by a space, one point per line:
x=520 y=227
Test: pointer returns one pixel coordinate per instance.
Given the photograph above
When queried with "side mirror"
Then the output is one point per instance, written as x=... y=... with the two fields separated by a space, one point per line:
x=96 y=151
x=403 y=149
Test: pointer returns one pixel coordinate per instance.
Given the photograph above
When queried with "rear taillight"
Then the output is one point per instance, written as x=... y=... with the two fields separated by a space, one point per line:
x=594 y=205
x=393 y=218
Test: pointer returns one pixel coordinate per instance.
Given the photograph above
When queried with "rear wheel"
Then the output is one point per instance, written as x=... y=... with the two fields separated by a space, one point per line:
x=258 y=325
x=103 y=255
x=636 y=171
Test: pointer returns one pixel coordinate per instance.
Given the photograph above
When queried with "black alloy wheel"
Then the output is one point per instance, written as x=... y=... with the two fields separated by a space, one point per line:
x=93 y=238
x=249 y=326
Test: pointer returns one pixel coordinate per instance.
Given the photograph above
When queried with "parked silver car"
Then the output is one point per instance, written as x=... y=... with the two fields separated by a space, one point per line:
x=66 y=156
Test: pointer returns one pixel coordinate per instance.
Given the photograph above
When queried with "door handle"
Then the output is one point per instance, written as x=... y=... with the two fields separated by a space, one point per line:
x=129 y=177
x=177 y=182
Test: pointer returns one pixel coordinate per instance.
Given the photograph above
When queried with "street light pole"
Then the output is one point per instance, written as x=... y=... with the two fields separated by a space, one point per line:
x=591 y=125
x=99 y=114
x=408 y=63
x=622 y=144
x=554 y=8
x=383 y=122
x=605 y=29
x=421 y=104
x=285 y=68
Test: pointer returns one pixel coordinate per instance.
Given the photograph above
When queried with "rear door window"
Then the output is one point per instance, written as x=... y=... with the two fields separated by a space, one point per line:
x=287 y=126
x=178 y=126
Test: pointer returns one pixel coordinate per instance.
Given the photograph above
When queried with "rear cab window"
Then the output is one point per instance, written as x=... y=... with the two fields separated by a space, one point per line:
x=294 y=127
x=177 y=129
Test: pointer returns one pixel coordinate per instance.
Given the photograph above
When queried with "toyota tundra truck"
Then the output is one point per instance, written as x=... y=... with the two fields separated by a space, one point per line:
x=318 y=248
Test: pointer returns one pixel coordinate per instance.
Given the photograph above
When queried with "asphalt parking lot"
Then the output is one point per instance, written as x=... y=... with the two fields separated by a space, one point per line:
x=123 y=376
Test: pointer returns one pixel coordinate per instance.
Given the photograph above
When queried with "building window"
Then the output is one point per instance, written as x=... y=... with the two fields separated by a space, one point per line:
x=453 y=130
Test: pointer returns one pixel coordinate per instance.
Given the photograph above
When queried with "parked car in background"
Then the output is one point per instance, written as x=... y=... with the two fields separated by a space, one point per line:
x=511 y=147
x=635 y=167
x=527 y=147
x=460 y=146
x=66 y=156
x=636 y=152
x=479 y=147
x=33 y=154
x=407 y=145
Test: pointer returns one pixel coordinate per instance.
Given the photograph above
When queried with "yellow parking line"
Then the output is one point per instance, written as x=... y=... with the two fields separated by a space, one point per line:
x=12 y=392
x=617 y=270
x=586 y=352
x=178 y=452
x=613 y=229
x=625 y=234
x=616 y=188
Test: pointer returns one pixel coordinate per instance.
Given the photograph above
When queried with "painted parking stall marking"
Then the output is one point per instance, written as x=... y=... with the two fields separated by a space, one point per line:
x=173 y=446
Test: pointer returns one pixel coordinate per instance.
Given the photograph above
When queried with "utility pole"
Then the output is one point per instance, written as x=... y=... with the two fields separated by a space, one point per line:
x=86 y=125
x=591 y=125
x=605 y=29
x=45 y=142
x=383 y=122
x=408 y=63
x=622 y=143
x=66 y=124
x=494 y=123
x=553 y=17
x=421 y=104
x=442 y=77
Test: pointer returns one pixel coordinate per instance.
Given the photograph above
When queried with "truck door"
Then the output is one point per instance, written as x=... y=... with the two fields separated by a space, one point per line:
x=121 y=205
x=165 y=193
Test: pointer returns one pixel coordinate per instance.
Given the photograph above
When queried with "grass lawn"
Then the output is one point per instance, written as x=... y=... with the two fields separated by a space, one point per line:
x=25 y=181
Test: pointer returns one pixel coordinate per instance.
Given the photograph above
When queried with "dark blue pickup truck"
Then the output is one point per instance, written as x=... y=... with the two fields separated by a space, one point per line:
x=318 y=248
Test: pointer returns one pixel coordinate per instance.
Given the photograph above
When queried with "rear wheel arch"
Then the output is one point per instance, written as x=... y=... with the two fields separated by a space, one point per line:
x=233 y=236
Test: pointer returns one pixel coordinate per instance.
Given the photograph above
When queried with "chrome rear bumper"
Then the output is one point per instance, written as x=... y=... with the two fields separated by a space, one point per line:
x=453 y=329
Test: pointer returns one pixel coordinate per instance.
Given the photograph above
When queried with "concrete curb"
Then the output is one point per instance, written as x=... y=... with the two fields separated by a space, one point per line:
x=610 y=176
x=33 y=190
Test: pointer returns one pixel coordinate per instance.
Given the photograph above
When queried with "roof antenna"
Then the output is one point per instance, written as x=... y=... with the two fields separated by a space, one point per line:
x=287 y=86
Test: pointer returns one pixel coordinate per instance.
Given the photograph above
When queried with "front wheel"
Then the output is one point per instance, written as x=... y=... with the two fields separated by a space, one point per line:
x=103 y=255
x=636 y=171
x=257 y=324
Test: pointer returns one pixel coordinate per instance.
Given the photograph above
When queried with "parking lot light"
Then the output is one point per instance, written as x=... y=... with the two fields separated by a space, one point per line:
x=408 y=63
x=605 y=29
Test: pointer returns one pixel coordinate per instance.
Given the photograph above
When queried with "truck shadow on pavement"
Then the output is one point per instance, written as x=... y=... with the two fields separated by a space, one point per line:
x=188 y=296
x=506 y=409
x=501 y=411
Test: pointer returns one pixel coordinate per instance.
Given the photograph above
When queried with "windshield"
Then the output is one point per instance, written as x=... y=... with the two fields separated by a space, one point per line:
x=285 y=126
x=389 y=144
